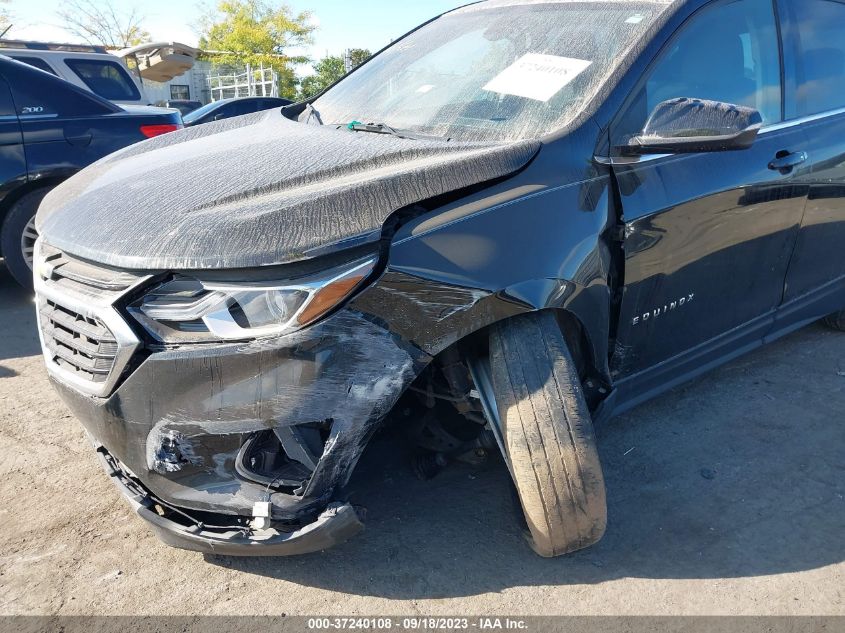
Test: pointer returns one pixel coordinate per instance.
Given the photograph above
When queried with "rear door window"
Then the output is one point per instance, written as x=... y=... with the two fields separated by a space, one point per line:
x=820 y=60
x=37 y=94
x=37 y=62
x=106 y=78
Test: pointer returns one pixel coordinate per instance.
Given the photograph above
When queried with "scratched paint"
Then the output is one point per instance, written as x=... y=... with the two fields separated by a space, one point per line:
x=346 y=369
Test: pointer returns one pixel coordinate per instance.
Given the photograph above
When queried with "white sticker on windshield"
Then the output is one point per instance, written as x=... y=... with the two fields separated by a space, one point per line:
x=538 y=77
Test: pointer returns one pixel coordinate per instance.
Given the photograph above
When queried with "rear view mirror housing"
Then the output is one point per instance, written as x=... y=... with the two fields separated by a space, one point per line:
x=682 y=126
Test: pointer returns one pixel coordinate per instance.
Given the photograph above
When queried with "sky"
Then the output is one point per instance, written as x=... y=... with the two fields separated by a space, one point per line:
x=341 y=24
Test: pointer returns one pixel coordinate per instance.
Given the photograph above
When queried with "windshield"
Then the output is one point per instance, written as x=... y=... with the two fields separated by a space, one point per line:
x=490 y=71
x=201 y=112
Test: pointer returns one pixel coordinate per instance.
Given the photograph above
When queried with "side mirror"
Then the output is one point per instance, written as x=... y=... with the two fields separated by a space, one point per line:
x=682 y=126
x=218 y=117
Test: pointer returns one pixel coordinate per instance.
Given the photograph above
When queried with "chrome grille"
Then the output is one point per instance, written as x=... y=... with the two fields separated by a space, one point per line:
x=83 y=278
x=79 y=344
x=86 y=342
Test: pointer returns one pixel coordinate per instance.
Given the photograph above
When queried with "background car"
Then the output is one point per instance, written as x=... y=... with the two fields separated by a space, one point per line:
x=92 y=68
x=183 y=105
x=106 y=73
x=227 y=108
x=49 y=130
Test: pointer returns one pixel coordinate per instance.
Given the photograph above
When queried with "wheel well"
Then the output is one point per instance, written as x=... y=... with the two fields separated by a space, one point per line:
x=16 y=194
x=476 y=345
x=577 y=339
x=441 y=411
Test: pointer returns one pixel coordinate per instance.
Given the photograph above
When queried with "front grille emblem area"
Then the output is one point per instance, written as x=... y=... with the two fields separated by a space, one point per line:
x=76 y=343
x=86 y=342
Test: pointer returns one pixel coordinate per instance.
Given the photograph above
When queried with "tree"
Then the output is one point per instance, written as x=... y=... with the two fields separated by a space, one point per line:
x=257 y=32
x=328 y=70
x=98 y=22
x=358 y=56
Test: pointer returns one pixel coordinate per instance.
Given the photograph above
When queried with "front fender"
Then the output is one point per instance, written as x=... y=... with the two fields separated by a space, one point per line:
x=497 y=255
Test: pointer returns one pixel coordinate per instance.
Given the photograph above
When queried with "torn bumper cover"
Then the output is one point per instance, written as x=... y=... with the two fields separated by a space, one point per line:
x=336 y=524
x=210 y=432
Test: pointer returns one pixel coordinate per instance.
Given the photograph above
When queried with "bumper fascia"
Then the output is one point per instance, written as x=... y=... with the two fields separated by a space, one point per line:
x=209 y=400
x=338 y=523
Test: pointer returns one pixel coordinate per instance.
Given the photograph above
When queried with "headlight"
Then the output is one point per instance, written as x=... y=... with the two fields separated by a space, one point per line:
x=192 y=309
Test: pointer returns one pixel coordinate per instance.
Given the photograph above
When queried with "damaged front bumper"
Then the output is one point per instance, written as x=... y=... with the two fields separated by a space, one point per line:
x=208 y=431
x=336 y=524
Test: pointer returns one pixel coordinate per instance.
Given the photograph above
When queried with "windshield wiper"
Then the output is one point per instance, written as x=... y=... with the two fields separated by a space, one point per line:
x=383 y=128
x=376 y=128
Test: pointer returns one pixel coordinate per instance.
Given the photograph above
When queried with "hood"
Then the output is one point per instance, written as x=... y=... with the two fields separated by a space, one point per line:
x=255 y=191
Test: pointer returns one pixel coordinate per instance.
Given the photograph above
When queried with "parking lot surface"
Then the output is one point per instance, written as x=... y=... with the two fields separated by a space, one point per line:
x=726 y=496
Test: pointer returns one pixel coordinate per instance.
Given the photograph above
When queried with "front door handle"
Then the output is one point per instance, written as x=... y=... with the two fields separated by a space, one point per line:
x=785 y=162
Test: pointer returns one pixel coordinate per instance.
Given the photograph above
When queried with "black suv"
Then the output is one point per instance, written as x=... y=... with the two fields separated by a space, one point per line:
x=49 y=130
x=518 y=220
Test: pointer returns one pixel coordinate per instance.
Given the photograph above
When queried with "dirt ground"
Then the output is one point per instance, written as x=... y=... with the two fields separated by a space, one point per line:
x=726 y=496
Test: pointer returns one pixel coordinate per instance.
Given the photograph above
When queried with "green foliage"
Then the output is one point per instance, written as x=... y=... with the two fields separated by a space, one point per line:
x=257 y=32
x=328 y=70
x=358 y=56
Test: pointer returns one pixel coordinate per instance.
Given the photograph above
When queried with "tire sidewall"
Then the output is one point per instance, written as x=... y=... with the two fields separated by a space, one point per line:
x=20 y=213
x=548 y=434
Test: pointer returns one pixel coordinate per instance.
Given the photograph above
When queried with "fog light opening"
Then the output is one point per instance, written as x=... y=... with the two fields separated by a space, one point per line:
x=284 y=458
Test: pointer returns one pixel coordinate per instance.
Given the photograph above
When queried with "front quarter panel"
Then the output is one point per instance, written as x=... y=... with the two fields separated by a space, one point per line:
x=533 y=242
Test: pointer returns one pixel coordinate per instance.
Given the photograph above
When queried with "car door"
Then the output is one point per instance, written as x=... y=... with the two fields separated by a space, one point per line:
x=815 y=56
x=12 y=157
x=58 y=121
x=707 y=236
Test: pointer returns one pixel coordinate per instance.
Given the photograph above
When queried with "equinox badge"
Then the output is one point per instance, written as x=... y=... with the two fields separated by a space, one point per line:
x=669 y=307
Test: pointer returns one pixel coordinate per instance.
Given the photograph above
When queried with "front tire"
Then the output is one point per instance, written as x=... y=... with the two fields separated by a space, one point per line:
x=548 y=434
x=18 y=236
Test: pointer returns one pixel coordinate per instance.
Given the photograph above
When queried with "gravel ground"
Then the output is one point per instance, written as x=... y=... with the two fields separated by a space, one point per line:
x=726 y=496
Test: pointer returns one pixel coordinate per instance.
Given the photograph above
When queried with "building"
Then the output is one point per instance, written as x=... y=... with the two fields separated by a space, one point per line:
x=193 y=85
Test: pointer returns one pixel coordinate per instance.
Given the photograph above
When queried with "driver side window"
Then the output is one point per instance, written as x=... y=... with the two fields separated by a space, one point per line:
x=727 y=52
